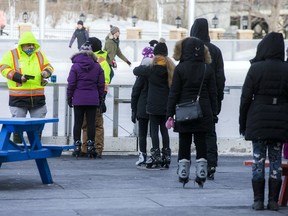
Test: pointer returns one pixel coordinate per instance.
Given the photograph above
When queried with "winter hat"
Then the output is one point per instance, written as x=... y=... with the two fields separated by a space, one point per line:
x=114 y=29
x=86 y=47
x=147 y=52
x=80 y=22
x=95 y=43
x=153 y=43
x=161 y=48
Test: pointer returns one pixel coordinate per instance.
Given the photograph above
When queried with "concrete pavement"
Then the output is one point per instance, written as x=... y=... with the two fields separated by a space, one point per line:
x=113 y=186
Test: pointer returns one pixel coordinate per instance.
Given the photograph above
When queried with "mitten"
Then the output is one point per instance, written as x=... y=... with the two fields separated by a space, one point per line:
x=133 y=117
x=69 y=101
x=169 y=123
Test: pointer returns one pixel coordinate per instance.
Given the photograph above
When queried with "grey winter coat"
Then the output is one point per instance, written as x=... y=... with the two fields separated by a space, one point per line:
x=264 y=98
x=188 y=74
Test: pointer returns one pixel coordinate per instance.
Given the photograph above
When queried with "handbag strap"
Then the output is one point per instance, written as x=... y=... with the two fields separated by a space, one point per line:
x=198 y=95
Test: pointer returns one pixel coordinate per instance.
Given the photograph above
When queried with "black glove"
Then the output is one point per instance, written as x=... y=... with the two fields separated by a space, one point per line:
x=69 y=101
x=128 y=62
x=103 y=107
x=133 y=117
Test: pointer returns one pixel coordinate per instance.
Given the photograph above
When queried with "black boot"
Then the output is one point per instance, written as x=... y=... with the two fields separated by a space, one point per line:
x=17 y=138
x=258 y=189
x=274 y=190
x=166 y=157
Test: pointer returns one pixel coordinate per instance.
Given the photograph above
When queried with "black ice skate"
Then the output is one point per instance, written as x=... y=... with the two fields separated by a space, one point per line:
x=141 y=159
x=211 y=172
x=154 y=161
x=91 y=152
x=166 y=157
x=77 y=149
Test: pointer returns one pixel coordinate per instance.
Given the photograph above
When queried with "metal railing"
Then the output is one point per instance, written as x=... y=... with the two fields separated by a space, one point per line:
x=57 y=103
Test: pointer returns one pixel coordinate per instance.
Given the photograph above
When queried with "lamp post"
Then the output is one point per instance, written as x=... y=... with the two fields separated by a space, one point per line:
x=178 y=22
x=215 y=21
x=134 y=20
x=244 y=22
x=25 y=17
x=82 y=17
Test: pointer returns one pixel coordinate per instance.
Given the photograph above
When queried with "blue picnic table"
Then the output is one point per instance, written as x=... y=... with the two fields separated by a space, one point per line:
x=33 y=150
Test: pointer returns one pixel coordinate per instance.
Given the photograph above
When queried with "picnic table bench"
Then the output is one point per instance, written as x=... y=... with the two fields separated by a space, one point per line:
x=283 y=198
x=34 y=150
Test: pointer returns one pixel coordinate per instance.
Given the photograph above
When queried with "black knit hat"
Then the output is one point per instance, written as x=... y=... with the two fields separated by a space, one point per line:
x=161 y=48
x=80 y=22
x=96 y=44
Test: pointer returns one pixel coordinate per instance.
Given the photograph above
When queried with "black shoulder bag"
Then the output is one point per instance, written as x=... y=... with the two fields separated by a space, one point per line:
x=190 y=111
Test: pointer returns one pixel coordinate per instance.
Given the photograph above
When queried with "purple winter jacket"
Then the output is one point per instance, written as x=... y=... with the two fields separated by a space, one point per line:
x=85 y=80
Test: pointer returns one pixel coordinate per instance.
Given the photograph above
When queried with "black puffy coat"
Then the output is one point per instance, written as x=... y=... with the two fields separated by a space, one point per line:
x=264 y=98
x=158 y=91
x=200 y=29
x=139 y=97
x=186 y=82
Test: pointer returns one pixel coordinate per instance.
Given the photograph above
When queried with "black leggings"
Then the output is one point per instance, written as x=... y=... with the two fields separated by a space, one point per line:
x=185 y=141
x=79 y=112
x=157 y=121
x=143 y=130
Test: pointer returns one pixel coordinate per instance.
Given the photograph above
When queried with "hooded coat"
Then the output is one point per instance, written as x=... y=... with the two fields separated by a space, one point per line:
x=188 y=75
x=15 y=63
x=264 y=98
x=200 y=29
x=85 y=80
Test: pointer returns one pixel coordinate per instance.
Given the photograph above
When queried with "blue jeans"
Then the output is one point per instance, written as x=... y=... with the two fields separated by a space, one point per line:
x=275 y=159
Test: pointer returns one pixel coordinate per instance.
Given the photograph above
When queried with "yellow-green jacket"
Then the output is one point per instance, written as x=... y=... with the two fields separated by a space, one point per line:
x=15 y=63
x=102 y=60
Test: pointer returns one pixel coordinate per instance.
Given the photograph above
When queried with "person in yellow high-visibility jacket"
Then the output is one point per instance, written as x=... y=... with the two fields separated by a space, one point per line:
x=26 y=69
x=96 y=45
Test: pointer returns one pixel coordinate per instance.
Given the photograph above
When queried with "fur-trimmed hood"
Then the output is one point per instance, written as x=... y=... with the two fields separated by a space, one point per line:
x=84 y=59
x=191 y=49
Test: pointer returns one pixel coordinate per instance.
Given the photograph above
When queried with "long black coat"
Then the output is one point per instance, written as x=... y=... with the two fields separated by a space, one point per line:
x=186 y=82
x=264 y=99
x=200 y=29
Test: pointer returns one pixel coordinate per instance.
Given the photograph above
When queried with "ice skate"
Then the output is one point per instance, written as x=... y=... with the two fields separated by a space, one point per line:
x=141 y=159
x=77 y=149
x=183 y=171
x=166 y=157
x=201 y=172
x=154 y=161
x=91 y=153
x=211 y=171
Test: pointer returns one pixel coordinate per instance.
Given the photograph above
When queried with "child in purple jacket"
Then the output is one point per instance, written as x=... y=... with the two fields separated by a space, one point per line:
x=84 y=92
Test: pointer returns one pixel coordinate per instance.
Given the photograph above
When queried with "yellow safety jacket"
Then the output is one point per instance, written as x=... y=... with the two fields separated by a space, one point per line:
x=15 y=63
x=102 y=56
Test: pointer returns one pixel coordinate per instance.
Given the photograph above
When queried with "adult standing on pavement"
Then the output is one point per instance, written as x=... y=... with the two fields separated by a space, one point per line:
x=263 y=116
x=26 y=69
x=96 y=46
x=81 y=34
x=188 y=75
x=112 y=47
x=84 y=90
x=200 y=29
